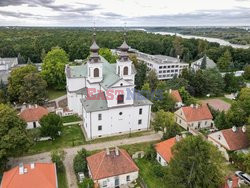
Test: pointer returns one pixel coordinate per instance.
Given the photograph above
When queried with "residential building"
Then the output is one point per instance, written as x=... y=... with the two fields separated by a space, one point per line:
x=233 y=139
x=166 y=67
x=232 y=181
x=197 y=64
x=32 y=114
x=6 y=64
x=103 y=95
x=194 y=117
x=112 y=168
x=177 y=97
x=34 y=175
x=164 y=150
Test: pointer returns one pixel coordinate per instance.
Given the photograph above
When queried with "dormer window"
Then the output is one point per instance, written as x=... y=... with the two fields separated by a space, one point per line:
x=96 y=72
x=120 y=99
x=125 y=71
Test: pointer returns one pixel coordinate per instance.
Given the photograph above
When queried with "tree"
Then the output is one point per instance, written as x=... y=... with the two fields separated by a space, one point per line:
x=16 y=81
x=53 y=68
x=107 y=54
x=43 y=54
x=244 y=100
x=51 y=125
x=204 y=62
x=3 y=92
x=246 y=74
x=163 y=101
x=177 y=83
x=29 y=62
x=152 y=79
x=187 y=99
x=20 y=59
x=196 y=163
x=224 y=61
x=58 y=157
x=14 y=139
x=141 y=74
x=233 y=83
x=80 y=162
x=178 y=47
x=221 y=121
x=145 y=91
x=33 y=90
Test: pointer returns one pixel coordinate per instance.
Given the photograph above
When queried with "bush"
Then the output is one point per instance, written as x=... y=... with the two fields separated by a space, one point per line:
x=51 y=125
x=87 y=183
x=150 y=153
x=57 y=157
x=80 y=163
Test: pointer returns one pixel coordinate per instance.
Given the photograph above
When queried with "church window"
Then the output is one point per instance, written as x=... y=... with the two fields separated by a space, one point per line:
x=125 y=71
x=120 y=99
x=96 y=72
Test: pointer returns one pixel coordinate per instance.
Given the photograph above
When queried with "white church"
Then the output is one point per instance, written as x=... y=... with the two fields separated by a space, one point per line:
x=103 y=95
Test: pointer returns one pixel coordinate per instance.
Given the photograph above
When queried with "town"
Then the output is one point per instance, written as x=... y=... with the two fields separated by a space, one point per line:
x=96 y=107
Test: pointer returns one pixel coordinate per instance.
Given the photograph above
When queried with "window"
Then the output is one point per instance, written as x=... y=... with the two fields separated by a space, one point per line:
x=160 y=71
x=120 y=113
x=139 y=121
x=96 y=72
x=128 y=178
x=99 y=116
x=99 y=128
x=159 y=159
x=34 y=124
x=125 y=71
x=140 y=111
x=160 y=67
x=120 y=99
x=164 y=67
x=104 y=183
x=199 y=124
x=205 y=122
x=180 y=121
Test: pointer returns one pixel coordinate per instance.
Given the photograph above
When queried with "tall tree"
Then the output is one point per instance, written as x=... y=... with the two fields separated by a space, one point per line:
x=141 y=74
x=53 y=68
x=247 y=72
x=196 y=163
x=178 y=47
x=107 y=54
x=14 y=139
x=204 y=62
x=224 y=61
x=152 y=79
x=233 y=83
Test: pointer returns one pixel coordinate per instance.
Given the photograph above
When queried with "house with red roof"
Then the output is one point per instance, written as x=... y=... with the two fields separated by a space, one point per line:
x=194 y=117
x=164 y=150
x=34 y=175
x=232 y=181
x=112 y=168
x=233 y=139
x=32 y=114
x=177 y=97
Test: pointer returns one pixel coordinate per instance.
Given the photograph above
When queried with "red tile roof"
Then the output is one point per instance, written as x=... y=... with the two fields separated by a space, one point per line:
x=164 y=148
x=235 y=183
x=43 y=175
x=102 y=165
x=176 y=95
x=236 y=140
x=197 y=114
x=33 y=113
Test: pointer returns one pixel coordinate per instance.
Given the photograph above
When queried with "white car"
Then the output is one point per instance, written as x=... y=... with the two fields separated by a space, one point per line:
x=243 y=176
x=81 y=176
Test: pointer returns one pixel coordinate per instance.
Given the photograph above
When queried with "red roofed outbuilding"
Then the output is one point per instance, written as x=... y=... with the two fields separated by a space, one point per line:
x=194 y=117
x=34 y=175
x=177 y=97
x=112 y=168
x=32 y=115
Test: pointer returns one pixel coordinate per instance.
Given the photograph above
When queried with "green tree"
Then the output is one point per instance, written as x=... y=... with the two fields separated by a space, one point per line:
x=51 y=125
x=14 y=139
x=244 y=100
x=107 y=54
x=177 y=83
x=224 y=61
x=233 y=83
x=247 y=72
x=33 y=90
x=57 y=157
x=16 y=81
x=43 y=54
x=145 y=90
x=53 y=68
x=221 y=121
x=163 y=101
x=152 y=79
x=29 y=62
x=80 y=162
x=187 y=99
x=178 y=47
x=196 y=163
x=141 y=74
x=204 y=62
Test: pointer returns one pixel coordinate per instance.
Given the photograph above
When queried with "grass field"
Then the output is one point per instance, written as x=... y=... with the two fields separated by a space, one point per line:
x=53 y=94
x=62 y=179
x=72 y=118
x=71 y=136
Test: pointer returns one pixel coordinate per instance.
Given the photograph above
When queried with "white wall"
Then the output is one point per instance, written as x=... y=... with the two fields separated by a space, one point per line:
x=74 y=84
x=74 y=103
x=113 y=123
x=122 y=179
x=160 y=160
x=31 y=126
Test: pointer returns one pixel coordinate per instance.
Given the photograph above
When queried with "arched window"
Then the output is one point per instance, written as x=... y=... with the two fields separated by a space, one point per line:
x=125 y=71
x=120 y=99
x=96 y=72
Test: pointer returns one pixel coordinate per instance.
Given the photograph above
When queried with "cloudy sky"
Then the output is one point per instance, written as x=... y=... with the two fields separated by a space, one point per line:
x=118 y=12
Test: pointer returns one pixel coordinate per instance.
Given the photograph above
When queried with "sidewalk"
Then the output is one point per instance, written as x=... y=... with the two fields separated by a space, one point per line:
x=71 y=152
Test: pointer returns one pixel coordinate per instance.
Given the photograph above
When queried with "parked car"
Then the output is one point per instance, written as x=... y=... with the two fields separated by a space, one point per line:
x=81 y=176
x=243 y=176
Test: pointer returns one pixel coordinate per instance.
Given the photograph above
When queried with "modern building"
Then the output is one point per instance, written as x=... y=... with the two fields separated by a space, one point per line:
x=34 y=175
x=103 y=95
x=198 y=64
x=164 y=150
x=233 y=139
x=194 y=117
x=112 y=168
x=166 y=67
x=32 y=114
x=6 y=64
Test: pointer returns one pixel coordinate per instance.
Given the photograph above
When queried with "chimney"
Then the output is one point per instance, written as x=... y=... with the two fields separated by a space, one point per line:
x=32 y=165
x=36 y=106
x=243 y=129
x=29 y=106
x=116 y=150
x=21 y=169
x=234 y=129
x=229 y=182
x=107 y=151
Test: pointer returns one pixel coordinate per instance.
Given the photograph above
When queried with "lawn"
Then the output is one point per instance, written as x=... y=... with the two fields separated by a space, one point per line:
x=62 y=179
x=71 y=136
x=53 y=94
x=131 y=149
x=72 y=118
x=147 y=172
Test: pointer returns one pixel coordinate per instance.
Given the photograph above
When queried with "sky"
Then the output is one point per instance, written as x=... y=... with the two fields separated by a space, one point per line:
x=87 y=13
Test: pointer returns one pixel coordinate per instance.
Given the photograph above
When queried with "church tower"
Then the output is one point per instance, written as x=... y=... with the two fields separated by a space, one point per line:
x=123 y=64
x=94 y=63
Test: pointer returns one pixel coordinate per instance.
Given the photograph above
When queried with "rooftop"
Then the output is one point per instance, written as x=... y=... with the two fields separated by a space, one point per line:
x=209 y=63
x=176 y=95
x=33 y=113
x=165 y=148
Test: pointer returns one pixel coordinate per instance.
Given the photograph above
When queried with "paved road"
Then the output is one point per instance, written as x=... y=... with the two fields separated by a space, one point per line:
x=71 y=152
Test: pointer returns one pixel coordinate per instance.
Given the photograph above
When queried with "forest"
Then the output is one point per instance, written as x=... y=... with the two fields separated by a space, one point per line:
x=34 y=43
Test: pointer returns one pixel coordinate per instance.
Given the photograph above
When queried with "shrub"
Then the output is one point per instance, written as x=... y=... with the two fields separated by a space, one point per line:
x=57 y=157
x=80 y=163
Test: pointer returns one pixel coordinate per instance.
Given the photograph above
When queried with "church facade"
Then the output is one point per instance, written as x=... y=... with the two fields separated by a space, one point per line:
x=104 y=95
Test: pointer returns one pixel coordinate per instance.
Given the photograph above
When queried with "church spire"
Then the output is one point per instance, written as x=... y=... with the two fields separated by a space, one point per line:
x=124 y=48
x=94 y=49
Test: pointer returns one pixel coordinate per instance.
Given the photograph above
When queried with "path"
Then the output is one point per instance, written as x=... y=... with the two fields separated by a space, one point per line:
x=57 y=100
x=71 y=152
